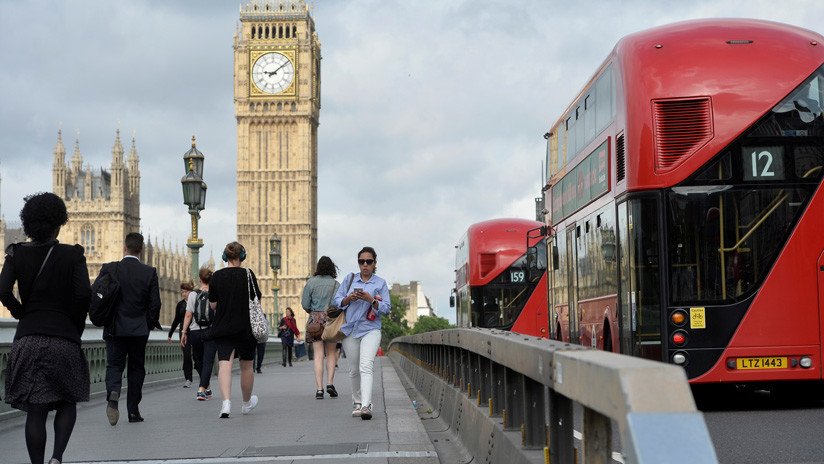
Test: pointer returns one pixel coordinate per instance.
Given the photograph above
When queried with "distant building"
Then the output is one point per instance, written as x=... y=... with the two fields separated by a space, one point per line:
x=104 y=206
x=417 y=303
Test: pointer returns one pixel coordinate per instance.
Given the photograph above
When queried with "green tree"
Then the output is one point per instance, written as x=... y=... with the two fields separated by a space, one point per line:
x=394 y=325
x=430 y=324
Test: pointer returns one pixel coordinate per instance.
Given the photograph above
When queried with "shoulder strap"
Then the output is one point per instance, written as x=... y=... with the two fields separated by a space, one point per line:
x=351 y=281
x=44 y=262
x=252 y=293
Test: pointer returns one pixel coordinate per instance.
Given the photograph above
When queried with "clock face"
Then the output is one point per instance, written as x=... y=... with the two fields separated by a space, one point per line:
x=273 y=73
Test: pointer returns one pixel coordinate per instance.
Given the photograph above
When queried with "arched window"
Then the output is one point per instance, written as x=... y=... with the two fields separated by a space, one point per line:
x=87 y=238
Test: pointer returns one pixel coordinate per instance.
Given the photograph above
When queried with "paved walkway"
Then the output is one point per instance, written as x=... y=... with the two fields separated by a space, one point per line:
x=288 y=425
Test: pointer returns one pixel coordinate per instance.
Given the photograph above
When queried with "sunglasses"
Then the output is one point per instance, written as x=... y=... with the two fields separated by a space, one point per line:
x=368 y=262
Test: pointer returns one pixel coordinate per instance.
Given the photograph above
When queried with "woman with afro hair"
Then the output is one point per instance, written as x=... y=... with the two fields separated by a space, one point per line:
x=46 y=369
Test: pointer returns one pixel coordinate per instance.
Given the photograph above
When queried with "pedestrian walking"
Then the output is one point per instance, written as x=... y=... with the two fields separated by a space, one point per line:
x=229 y=292
x=180 y=313
x=46 y=368
x=364 y=297
x=199 y=317
x=316 y=298
x=137 y=312
x=258 y=361
x=287 y=332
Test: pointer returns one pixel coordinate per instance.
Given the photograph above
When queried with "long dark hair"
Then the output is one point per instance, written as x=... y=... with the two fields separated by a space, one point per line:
x=326 y=267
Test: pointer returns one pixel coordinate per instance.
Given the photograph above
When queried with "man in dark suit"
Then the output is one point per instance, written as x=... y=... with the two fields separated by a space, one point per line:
x=136 y=313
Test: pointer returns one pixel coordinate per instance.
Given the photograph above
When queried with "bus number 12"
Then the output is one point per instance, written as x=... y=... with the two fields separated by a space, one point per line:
x=766 y=172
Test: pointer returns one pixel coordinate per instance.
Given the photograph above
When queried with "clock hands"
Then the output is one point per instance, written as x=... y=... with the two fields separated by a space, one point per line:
x=276 y=70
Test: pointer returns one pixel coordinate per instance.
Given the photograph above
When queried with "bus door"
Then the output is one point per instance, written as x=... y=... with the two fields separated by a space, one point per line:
x=639 y=285
x=821 y=299
x=572 y=279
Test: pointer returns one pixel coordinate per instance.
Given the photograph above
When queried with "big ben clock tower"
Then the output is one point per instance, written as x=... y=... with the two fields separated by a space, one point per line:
x=277 y=104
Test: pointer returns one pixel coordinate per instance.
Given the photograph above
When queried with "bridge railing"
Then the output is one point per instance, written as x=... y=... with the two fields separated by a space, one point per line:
x=164 y=360
x=531 y=385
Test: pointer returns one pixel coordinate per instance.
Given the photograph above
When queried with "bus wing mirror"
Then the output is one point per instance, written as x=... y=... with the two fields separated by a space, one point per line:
x=555 y=258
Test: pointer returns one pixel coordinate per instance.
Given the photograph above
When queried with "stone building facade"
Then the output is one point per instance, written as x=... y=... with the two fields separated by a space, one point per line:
x=104 y=206
x=417 y=303
x=277 y=106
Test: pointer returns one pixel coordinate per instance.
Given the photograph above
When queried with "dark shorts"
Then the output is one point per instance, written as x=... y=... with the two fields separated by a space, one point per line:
x=244 y=348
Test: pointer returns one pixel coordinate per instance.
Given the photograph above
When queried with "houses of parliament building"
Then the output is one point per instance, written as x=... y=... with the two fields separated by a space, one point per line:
x=104 y=206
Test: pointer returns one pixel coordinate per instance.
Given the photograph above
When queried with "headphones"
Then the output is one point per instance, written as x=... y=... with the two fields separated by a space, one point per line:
x=241 y=256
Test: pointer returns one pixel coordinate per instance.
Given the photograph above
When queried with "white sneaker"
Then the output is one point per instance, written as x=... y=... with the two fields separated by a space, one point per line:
x=224 y=411
x=187 y=384
x=357 y=411
x=247 y=407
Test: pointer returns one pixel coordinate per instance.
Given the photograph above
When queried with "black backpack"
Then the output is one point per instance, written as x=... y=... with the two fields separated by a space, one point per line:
x=203 y=314
x=105 y=295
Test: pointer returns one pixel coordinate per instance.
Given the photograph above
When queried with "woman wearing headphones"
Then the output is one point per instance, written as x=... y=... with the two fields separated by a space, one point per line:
x=229 y=292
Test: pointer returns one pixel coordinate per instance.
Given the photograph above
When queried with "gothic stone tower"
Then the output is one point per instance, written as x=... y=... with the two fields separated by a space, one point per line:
x=103 y=207
x=277 y=105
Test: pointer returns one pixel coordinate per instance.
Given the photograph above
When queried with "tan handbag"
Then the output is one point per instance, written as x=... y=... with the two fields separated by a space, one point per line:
x=332 y=332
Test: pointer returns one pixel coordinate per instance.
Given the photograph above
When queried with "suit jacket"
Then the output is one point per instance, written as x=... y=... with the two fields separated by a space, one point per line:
x=56 y=302
x=138 y=309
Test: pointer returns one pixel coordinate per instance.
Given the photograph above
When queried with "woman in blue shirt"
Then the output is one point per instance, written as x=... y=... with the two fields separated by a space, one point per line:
x=365 y=299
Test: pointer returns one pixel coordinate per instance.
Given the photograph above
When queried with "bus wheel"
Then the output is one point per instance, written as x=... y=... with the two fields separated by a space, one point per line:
x=607 y=337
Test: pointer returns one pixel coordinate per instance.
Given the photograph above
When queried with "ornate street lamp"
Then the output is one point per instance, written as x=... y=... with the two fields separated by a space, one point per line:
x=194 y=196
x=274 y=263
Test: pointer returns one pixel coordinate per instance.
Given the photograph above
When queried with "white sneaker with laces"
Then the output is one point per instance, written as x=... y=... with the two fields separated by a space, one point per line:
x=187 y=384
x=224 y=410
x=247 y=407
x=357 y=411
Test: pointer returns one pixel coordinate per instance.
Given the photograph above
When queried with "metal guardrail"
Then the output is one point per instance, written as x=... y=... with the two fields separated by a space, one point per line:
x=163 y=359
x=532 y=384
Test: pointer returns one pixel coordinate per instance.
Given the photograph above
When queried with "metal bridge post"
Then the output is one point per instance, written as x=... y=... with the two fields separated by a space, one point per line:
x=598 y=434
x=534 y=409
x=561 y=438
x=498 y=389
x=514 y=403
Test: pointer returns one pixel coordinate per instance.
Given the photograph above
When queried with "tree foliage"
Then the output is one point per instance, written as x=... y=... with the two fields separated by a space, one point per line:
x=430 y=324
x=394 y=325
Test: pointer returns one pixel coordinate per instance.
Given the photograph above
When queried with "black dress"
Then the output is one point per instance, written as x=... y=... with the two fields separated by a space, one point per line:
x=46 y=364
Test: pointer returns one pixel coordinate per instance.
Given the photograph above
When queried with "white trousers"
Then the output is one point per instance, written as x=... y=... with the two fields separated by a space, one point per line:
x=361 y=352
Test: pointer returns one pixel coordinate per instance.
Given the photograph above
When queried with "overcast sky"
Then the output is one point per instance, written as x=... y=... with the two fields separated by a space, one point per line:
x=439 y=105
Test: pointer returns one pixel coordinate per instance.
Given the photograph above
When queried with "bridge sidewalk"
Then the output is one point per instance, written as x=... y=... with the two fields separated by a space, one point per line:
x=288 y=425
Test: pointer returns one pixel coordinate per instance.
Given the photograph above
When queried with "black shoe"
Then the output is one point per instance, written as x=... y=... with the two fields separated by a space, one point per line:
x=135 y=417
x=290 y=364
x=111 y=408
x=283 y=364
x=259 y=371
x=319 y=395
x=331 y=390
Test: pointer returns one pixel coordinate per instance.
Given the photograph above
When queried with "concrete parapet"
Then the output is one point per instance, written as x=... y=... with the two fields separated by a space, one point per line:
x=490 y=386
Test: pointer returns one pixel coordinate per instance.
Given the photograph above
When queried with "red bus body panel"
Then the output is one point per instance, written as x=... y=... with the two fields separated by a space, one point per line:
x=785 y=317
x=681 y=69
x=534 y=319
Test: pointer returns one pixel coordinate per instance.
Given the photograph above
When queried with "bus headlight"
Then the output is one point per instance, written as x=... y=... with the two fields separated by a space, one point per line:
x=680 y=358
x=806 y=362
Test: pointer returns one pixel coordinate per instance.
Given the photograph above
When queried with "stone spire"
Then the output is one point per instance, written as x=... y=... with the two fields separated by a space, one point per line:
x=77 y=158
x=59 y=167
x=59 y=150
x=117 y=151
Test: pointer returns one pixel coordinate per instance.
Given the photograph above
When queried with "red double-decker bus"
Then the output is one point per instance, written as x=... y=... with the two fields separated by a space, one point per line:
x=687 y=213
x=500 y=277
